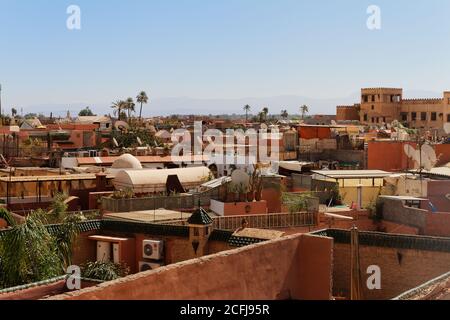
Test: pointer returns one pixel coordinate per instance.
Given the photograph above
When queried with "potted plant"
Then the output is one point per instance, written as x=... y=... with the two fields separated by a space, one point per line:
x=230 y=193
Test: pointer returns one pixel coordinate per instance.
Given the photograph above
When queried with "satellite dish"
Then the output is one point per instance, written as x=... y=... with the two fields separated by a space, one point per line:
x=426 y=158
x=239 y=177
x=409 y=150
x=447 y=128
x=121 y=125
x=388 y=126
x=183 y=125
x=429 y=158
x=333 y=123
x=264 y=126
x=139 y=141
x=447 y=196
x=116 y=144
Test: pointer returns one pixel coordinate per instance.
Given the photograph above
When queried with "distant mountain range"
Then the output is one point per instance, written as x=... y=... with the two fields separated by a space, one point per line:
x=186 y=105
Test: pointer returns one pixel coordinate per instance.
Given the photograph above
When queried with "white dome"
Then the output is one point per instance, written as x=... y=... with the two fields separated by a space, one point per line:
x=127 y=161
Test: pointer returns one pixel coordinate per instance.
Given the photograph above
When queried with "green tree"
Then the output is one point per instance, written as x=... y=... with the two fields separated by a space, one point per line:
x=86 y=112
x=103 y=270
x=30 y=253
x=304 y=109
x=265 y=111
x=247 y=109
x=142 y=98
x=118 y=107
x=130 y=107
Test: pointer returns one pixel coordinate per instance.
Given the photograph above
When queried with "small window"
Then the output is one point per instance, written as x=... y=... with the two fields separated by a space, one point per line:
x=423 y=116
x=373 y=98
x=413 y=116
x=448 y=118
x=365 y=117
x=433 y=116
x=373 y=107
x=373 y=120
x=196 y=233
x=404 y=116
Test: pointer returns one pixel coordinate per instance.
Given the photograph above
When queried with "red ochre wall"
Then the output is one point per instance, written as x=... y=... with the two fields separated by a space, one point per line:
x=438 y=225
x=294 y=267
x=398 y=275
x=390 y=155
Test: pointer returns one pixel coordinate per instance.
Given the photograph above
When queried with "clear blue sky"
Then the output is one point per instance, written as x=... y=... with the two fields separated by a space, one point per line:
x=218 y=49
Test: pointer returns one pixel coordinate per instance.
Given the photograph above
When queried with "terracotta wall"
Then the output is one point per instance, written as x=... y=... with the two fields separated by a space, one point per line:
x=314 y=132
x=245 y=208
x=295 y=267
x=443 y=152
x=438 y=225
x=397 y=159
x=436 y=193
x=401 y=269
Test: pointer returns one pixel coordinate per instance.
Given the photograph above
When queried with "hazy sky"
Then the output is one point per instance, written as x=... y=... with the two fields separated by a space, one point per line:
x=218 y=49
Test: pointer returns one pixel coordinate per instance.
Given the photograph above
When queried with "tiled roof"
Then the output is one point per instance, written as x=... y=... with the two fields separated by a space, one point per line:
x=33 y=285
x=220 y=235
x=377 y=239
x=200 y=217
x=243 y=241
x=145 y=228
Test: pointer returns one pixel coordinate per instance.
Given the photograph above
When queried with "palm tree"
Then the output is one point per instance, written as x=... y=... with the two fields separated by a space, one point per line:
x=118 y=106
x=247 y=109
x=304 y=109
x=265 y=111
x=130 y=106
x=284 y=114
x=142 y=99
x=261 y=116
x=30 y=253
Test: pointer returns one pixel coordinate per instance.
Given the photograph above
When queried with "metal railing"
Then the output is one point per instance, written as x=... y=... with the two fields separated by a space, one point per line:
x=263 y=221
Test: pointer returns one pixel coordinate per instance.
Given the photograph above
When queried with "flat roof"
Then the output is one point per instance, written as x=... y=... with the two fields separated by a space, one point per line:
x=69 y=177
x=142 y=159
x=438 y=171
x=148 y=215
x=351 y=174
x=405 y=198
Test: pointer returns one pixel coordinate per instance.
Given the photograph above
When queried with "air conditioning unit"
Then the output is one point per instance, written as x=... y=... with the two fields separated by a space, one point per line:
x=146 y=266
x=103 y=251
x=153 y=249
